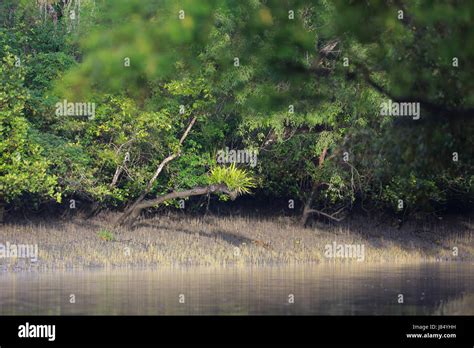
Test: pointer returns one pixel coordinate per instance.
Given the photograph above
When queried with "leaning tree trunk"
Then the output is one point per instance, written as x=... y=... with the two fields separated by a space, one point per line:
x=196 y=191
x=307 y=207
x=158 y=171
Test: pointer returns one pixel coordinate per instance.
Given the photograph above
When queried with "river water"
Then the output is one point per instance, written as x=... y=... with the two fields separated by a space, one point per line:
x=290 y=290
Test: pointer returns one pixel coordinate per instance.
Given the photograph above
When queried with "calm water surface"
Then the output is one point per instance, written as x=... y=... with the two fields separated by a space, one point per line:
x=318 y=289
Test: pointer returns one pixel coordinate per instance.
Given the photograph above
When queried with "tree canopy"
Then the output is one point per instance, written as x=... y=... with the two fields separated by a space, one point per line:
x=301 y=84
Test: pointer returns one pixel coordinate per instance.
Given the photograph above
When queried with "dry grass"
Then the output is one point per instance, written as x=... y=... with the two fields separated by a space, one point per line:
x=178 y=240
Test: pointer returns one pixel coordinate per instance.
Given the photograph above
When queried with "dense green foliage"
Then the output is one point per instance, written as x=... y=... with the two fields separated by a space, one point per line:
x=22 y=166
x=299 y=83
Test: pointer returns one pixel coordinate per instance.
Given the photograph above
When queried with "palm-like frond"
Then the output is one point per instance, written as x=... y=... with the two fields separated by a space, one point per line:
x=238 y=180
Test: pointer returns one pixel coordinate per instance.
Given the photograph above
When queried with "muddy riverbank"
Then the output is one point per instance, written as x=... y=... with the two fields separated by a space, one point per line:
x=212 y=241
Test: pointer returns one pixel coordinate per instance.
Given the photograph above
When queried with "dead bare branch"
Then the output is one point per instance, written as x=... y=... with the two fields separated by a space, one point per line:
x=332 y=217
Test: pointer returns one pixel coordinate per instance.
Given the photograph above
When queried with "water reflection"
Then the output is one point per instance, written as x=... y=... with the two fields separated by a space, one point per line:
x=322 y=290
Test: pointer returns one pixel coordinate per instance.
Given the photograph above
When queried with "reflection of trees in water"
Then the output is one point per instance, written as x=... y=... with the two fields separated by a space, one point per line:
x=317 y=290
x=461 y=305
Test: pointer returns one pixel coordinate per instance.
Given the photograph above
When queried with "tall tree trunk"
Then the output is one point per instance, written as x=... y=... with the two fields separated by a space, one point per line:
x=307 y=207
x=158 y=171
x=2 y=211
